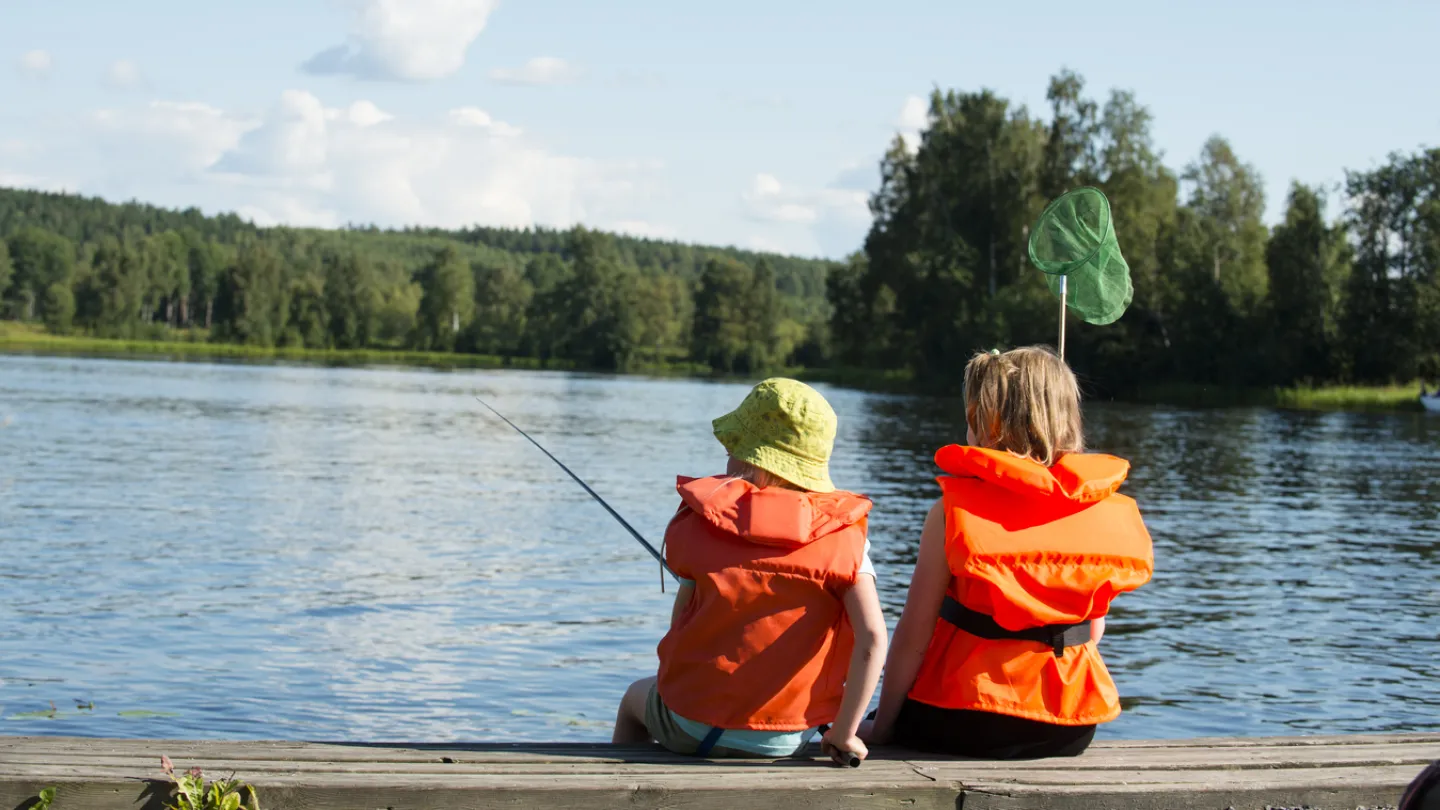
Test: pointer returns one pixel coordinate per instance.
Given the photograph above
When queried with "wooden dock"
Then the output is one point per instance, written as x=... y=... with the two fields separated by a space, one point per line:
x=1323 y=773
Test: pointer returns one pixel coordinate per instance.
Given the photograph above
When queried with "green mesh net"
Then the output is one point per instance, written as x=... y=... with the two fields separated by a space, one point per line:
x=1074 y=244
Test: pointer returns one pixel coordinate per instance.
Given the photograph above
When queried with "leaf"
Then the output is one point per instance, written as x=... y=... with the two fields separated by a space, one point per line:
x=44 y=799
x=230 y=802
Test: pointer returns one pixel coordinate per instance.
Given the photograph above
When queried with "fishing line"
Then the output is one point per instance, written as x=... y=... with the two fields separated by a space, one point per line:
x=660 y=558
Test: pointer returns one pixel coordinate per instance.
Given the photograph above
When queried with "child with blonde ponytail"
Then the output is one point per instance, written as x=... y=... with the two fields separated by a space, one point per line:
x=996 y=654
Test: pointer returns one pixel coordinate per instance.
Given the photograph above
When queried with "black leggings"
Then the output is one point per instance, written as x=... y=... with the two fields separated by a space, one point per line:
x=985 y=735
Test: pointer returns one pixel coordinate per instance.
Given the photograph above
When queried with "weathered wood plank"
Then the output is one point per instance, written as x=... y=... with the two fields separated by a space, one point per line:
x=1282 y=749
x=458 y=761
x=1321 y=773
x=94 y=795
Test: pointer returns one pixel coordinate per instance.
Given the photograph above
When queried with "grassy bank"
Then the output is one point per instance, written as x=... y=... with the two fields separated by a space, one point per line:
x=1323 y=398
x=22 y=337
x=893 y=381
x=17 y=338
x=30 y=338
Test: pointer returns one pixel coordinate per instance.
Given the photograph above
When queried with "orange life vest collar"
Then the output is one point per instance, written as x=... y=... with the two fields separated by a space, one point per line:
x=773 y=516
x=1079 y=478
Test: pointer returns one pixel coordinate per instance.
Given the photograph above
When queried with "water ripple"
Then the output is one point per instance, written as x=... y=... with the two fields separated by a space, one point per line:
x=234 y=551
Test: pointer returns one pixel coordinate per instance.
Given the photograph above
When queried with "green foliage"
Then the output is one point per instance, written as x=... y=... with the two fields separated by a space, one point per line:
x=502 y=297
x=6 y=270
x=354 y=302
x=948 y=237
x=308 y=321
x=167 y=259
x=42 y=800
x=192 y=793
x=250 y=301
x=447 y=301
x=39 y=259
x=737 y=325
x=595 y=312
x=59 y=308
x=1309 y=265
x=206 y=260
x=1391 y=319
x=112 y=292
x=147 y=272
x=1218 y=300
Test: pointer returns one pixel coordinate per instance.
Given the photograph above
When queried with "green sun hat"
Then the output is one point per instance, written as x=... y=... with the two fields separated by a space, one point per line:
x=783 y=427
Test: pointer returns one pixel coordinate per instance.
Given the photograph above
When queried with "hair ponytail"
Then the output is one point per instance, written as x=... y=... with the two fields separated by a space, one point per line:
x=1025 y=401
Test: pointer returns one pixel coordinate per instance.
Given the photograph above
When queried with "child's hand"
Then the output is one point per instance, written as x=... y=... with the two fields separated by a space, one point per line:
x=872 y=734
x=843 y=749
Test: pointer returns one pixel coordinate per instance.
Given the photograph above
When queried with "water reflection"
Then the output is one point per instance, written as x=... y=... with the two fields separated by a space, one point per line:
x=365 y=554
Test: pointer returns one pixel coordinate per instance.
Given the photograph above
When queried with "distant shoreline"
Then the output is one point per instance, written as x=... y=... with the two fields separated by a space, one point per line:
x=22 y=339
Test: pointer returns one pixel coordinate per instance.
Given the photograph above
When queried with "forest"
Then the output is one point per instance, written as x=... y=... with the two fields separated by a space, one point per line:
x=1344 y=289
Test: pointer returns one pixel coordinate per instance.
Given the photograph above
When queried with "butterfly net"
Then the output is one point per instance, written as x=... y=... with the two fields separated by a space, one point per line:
x=1074 y=244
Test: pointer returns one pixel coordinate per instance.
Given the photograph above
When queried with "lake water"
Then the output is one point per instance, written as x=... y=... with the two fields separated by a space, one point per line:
x=232 y=551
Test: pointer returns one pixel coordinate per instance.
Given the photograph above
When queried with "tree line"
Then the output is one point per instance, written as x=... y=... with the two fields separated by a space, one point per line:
x=1219 y=297
x=1341 y=290
x=586 y=298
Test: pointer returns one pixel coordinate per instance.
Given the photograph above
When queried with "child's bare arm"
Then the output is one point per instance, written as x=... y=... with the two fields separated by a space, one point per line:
x=862 y=605
x=917 y=623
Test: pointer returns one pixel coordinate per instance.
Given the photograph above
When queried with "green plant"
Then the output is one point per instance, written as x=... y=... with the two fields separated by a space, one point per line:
x=43 y=799
x=191 y=792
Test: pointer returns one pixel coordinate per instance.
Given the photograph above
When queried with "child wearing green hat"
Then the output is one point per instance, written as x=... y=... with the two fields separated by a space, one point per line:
x=776 y=630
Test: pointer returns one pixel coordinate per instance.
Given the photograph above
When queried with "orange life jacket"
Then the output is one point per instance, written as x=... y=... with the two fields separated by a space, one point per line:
x=764 y=643
x=1031 y=546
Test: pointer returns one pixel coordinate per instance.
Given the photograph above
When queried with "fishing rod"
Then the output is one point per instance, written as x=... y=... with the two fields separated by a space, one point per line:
x=653 y=552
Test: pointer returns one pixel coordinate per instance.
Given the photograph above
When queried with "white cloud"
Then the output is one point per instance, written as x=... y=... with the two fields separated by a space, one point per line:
x=914 y=118
x=538 y=71
x=308 y=164
x=405 y=40
x=183 y=136
x=291 y=144
x=361 y=114
x=827 y=221
x=770 y=201
x=642 y=228
x=479 y=119
x=279 y=210
x=767 y=245
x=16 y=180
x=914 y=114
x=305 y=162
x=124 y=74
x=36 y=64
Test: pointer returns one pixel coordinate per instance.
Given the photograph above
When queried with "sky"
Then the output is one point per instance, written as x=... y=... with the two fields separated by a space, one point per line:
x=749 y=123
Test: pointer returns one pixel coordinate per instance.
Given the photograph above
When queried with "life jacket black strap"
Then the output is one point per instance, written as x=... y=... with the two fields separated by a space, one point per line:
x=1056 y=636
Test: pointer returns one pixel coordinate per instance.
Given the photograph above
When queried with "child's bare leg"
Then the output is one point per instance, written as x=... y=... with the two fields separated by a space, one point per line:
x=630 y=719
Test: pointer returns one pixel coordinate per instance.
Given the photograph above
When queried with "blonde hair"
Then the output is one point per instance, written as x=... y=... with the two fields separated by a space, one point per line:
x=1025 y=401
x=759 y=476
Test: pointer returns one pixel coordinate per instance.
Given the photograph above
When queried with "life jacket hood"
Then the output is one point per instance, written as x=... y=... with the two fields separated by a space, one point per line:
x=1081 y=478
x=773 y=516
